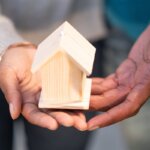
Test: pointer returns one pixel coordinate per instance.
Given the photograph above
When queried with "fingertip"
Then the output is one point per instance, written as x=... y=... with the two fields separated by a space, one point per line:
x=66 y=121
x=81 y=115
x=81 y=125
x=12 y=95
x=36 y=117
x=91 y=126
x=63 y=118
x=12 y=112
x=53 y=125
x=15 y=113
x=46 y=122
x=79 y=121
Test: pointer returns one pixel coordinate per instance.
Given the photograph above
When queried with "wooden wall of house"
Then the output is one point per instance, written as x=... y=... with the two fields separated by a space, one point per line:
x=62 y=80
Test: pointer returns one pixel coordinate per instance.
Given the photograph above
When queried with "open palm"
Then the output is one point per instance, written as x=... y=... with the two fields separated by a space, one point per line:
x=122 y=94
x=22 y=90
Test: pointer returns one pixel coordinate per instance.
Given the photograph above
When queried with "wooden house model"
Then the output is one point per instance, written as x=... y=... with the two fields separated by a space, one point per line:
x=65 y=59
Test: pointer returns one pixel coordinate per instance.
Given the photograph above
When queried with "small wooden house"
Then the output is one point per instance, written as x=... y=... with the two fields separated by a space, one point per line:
x=65 y=59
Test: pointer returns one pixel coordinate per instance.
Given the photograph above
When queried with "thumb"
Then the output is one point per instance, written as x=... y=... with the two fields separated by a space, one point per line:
x=10 y=86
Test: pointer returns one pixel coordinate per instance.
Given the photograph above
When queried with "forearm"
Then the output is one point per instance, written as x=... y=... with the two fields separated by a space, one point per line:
x=8 y=33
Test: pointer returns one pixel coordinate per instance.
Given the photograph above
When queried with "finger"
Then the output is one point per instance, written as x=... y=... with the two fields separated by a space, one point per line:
x=81 y=115
x=97 y=80
x=105 y=85
x=62 y=118
x=112 y=116
x=79 y=121
x=36 y=117
x=69 y=118
x=125 y=110
x=10 y=87
x=108 y=99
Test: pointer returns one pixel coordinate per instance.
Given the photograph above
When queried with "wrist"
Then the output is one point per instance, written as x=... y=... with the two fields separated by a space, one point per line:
x=17 y=45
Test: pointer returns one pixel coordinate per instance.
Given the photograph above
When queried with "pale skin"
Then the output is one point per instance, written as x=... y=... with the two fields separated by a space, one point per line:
x=22 y=89
x=122 y=94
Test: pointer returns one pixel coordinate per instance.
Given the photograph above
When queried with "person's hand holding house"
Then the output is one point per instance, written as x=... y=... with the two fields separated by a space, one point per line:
x=22 y=89
x=122 y=94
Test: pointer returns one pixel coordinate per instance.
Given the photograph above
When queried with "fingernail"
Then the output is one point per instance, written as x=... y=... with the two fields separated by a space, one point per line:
x=11 y=109
x=93 y=128
x=84 y=128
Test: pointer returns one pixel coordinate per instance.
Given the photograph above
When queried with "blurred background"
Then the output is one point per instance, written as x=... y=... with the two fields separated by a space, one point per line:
x=92 y=20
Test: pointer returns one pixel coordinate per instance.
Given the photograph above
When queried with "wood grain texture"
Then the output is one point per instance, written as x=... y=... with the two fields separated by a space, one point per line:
x=61 y=80
x=64 y=58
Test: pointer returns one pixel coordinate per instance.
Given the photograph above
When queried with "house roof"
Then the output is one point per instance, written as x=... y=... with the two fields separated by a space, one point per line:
x=67 y=39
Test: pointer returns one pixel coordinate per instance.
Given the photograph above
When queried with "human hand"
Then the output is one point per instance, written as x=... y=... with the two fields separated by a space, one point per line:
x=22 y=89
x=122 y=94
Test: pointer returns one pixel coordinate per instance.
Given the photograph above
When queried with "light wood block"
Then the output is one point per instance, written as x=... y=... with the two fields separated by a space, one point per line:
x=64 y=59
